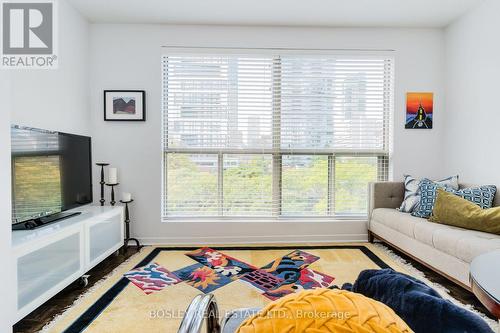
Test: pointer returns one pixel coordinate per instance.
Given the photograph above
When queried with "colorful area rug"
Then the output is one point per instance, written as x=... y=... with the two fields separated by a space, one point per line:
x=150 y=292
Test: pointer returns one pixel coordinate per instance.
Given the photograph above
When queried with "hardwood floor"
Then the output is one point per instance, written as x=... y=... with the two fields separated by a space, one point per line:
x=56 y=305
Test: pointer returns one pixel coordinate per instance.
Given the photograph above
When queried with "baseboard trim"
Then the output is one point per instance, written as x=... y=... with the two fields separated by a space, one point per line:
x=264 y=239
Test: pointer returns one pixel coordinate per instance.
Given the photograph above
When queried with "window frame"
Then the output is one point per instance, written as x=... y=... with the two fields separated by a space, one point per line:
x=384 y=155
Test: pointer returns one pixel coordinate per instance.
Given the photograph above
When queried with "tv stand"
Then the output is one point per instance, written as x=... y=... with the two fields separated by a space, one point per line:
x=41 y=221
x=49 y=258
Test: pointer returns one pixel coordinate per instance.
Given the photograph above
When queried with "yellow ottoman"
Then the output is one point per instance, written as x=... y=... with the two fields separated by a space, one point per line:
x=325 y=310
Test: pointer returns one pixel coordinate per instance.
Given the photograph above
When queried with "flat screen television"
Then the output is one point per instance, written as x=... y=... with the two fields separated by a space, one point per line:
x=51 y=173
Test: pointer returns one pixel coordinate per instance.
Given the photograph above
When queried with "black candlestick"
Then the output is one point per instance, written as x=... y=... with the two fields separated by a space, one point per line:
x=127 y=227
x=112 y=202
x=102 y=182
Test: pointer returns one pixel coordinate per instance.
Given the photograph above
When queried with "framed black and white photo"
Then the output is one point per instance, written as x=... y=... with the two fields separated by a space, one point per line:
x=124 y=105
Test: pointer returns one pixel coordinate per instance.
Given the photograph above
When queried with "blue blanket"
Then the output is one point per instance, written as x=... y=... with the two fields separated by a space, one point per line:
x=420 y=306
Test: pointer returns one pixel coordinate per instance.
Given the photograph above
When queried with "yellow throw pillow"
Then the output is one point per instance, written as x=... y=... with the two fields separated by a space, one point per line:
x=453 y=210
x=325 y=310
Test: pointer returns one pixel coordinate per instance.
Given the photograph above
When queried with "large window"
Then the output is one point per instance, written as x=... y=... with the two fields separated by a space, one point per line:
x=278 y=136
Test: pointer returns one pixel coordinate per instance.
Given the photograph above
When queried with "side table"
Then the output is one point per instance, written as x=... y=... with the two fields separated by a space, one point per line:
x=485 y=280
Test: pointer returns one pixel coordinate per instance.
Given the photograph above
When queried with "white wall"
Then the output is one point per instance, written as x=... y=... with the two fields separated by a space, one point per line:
x=6 y=275
x=472 y=74
x=57 y=99
x=128 y=57
x=50 y=99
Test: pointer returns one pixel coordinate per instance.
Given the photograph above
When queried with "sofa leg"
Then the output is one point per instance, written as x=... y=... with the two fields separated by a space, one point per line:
x=371 y=238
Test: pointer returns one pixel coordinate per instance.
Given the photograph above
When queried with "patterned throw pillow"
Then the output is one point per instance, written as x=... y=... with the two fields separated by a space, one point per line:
x=482 y=196
x=412 y=191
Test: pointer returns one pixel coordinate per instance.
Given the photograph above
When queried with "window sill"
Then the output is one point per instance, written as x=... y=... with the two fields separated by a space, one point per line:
x=236 y=219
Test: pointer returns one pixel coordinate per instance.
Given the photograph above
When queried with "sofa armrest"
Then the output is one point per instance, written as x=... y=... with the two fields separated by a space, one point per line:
x=385 y=195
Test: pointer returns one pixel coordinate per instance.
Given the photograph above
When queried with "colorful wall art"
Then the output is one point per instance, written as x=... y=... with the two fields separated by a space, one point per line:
x=419 y=110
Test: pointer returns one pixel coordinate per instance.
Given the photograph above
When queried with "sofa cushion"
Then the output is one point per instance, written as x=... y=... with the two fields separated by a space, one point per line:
x=428 y=191
x=465 y=244
x=412 y=191
x=424 y=232
x=482 y=196
x=453 y=210
x=460 y=243
x=402 y=222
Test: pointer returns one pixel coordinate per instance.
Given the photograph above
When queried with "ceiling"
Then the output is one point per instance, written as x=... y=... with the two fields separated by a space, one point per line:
x=324 y=13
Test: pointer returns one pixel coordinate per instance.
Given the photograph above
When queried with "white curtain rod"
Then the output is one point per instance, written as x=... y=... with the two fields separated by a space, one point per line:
x=270 y=48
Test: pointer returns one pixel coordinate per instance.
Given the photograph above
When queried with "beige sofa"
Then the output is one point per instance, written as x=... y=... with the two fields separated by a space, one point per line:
x=447 y=250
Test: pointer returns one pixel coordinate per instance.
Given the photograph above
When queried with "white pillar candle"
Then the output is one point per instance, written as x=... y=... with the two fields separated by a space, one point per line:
x=126 y=196
x=112 y=176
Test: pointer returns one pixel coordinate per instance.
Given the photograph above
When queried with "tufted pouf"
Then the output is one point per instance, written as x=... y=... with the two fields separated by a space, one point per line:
x=325 y=310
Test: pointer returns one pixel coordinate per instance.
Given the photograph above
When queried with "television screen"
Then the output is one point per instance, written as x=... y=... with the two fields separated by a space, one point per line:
x=51 y=172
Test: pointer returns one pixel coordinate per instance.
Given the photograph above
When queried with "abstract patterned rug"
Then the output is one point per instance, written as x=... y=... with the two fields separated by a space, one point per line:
x=150 y=292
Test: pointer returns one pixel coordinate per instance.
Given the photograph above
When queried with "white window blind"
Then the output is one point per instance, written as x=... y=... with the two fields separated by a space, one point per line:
x=274 y=135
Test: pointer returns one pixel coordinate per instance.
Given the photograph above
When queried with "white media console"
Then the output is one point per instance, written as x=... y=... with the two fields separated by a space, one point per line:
x=49 y=258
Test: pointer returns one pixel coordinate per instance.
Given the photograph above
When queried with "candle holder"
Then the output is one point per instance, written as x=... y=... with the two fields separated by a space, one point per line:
x=112 y=202
x=102 y=182
x=127 y=227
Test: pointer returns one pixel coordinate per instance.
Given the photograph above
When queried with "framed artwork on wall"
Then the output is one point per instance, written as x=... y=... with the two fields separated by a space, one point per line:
x=124 y=105
x=419 y=110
